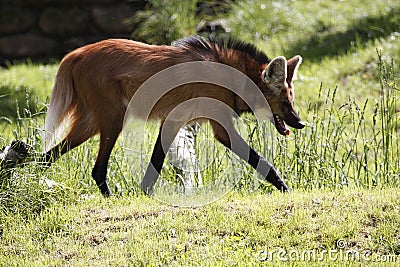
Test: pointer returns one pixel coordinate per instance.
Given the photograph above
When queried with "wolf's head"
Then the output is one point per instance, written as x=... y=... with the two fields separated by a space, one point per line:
x=277 y=87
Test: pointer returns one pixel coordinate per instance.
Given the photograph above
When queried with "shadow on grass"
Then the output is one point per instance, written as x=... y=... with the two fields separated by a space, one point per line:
x=356 y=36
x=15 y=102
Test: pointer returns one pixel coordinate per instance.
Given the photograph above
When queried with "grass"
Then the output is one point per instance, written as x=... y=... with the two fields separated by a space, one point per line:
x=139 y=231
x=20 y=86
x=344 y=166
x=314 y=28
x=166 y=21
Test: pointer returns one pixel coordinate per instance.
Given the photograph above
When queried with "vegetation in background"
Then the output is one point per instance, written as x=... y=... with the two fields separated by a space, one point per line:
x=314 y=29
x=348 y=92
x=24 y=89
x=165 y=21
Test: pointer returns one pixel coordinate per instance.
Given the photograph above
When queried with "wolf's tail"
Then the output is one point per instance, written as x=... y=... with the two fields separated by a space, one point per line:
x=63 y=105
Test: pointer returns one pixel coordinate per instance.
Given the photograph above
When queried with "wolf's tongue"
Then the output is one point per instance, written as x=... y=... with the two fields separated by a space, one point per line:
x=280 y=125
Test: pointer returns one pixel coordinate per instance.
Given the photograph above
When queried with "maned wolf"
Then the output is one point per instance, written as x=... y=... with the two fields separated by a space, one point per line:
x=95 y=83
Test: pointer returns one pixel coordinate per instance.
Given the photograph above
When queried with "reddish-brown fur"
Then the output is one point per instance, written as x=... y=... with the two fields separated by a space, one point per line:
x=95 y=83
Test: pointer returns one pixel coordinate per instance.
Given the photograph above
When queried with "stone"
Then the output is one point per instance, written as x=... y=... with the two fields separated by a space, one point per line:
x=64 y=22
x=114 y=19
x=45 y=3
x=51 y=28
x=13 y=154
x=15 y=20
x=79 y=41
x=27 y=45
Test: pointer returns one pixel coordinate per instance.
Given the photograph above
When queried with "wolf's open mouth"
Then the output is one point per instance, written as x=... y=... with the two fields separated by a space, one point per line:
x=280 y=125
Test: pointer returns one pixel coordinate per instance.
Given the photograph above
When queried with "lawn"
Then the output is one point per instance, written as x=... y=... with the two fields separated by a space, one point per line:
x=343 y=167
x=317 y=228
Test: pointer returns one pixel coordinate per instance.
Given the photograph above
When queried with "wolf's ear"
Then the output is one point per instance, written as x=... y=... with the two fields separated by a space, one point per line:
x=292 y=67
x=275 y=71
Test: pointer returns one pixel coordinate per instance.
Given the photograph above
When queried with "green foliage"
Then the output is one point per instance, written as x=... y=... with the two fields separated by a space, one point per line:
x=165 y=21
x=24 y=89
x=237 y=230
x=314 y=29
x=348 y=94
x=13 y=101
x=350 y=136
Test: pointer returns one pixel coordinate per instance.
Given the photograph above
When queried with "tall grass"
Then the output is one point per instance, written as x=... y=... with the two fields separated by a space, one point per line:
x=348 y=142
x=343 y=146
x=351 y=143
x=27 y=189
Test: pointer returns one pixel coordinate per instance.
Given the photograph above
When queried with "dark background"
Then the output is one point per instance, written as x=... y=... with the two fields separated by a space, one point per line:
x=50 y=28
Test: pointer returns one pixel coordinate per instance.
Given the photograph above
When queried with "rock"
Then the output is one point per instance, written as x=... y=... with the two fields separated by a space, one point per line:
x=13 y=154
x=64 y=22
x=51 y=28
x=114 y=19
x=27 y=45
x=15 y=20
x=37 y=3
x=78 y=41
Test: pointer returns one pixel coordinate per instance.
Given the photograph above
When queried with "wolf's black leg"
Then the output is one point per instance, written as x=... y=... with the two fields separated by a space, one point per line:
x=165 y=138
x=229 y=137
x=154 y=167
x=266 y=170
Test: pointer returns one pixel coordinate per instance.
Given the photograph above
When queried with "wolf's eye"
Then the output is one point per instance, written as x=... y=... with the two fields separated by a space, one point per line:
x=286 y=101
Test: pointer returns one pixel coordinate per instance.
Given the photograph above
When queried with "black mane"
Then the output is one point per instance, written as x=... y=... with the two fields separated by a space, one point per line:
x=200 y=43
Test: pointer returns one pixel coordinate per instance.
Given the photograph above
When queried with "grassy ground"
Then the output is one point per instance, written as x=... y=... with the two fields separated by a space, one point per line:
x=344 y=166
x=351 y=227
